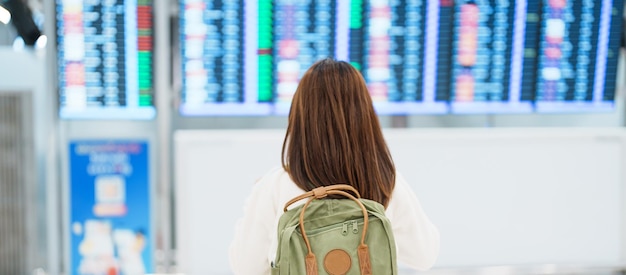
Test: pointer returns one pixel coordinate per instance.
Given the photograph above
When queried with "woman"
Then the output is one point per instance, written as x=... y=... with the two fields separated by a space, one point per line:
x=333 y=136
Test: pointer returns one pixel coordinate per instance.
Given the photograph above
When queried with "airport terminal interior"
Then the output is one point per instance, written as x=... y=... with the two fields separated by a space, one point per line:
x=133 y=131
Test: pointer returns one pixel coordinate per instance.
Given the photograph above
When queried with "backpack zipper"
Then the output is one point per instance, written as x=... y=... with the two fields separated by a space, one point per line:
x=344 y=229
x=346 y=225
x=355 y=227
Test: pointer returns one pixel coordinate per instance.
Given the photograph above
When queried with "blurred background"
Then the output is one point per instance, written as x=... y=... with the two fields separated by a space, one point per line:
x=131 y=131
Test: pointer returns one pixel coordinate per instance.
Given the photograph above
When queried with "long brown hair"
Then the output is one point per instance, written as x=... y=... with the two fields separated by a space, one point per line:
x=334 y=136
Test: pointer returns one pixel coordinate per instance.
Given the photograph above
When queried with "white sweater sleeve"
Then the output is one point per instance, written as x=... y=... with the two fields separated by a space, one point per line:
x=250 y=246
x=417 y=239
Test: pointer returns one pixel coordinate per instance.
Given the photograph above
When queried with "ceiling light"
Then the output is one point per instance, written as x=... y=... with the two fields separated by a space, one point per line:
x=5 y=15
x=41 y=42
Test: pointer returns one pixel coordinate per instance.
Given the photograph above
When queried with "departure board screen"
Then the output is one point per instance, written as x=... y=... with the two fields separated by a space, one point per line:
x=487 y=57
x=303 y=32
x=213 y=50
x=246 y=57
x=395 y=56
x=577 y=55
x=105 y=59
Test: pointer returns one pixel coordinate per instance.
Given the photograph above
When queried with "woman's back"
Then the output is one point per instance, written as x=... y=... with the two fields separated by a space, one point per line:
x=255 y=243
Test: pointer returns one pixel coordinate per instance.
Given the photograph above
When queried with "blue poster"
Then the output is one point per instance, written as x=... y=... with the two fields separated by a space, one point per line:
x=110 y=226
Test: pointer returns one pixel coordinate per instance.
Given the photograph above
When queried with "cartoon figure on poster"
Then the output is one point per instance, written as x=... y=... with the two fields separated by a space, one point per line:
x=111 y=252
x=110 y=208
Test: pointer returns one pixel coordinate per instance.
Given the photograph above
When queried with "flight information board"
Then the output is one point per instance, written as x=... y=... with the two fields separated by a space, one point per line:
x=577 y=60
x=303 y=32
x=487 y=57
x=395 y=56
x=246 y=57
x=212 y=35
x=105 y=59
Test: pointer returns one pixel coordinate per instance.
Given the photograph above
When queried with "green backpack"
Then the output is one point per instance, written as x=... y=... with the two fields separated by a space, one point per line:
x=339 y=236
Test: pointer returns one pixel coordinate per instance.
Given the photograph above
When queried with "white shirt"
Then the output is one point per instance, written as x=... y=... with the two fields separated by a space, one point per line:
x=255 y=242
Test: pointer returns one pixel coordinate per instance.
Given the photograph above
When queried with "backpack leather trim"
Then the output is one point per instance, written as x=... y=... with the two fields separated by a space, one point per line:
x=337 y=262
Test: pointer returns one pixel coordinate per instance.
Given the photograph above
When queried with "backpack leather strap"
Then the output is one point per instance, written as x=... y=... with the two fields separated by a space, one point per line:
x=321 y=192
x=365 y=264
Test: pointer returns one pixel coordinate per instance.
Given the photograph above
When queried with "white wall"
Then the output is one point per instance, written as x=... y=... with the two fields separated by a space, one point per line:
x=498 y=196
x=518 y=196
x=214 y=173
